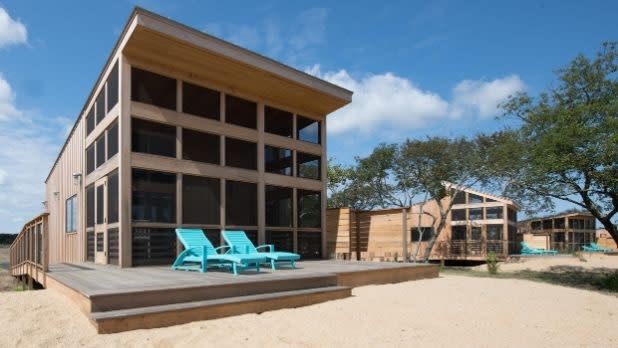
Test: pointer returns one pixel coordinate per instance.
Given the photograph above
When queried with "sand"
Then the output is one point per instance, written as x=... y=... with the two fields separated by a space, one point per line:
x=443 y=312
x=596 y=262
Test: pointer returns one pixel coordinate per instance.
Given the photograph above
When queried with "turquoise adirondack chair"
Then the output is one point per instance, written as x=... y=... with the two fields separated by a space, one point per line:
x=239 y=243
x=595 y=248
x=199 y=253
x=527 y=250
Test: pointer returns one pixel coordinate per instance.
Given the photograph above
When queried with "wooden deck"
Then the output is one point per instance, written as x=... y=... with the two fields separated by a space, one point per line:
x=118 y=299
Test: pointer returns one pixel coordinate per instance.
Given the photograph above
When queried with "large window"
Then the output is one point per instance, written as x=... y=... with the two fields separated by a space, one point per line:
x=151 y=88
x=308 y=130
x=278 y=122
x=201 y=199
x=240 y=154
x=100 y=150
x=153 y=138
x=472 y=198
x=282 y=240
x=240 y=112
x=154 y=196
x=475 y=233
x=278 y=160
x=458 y=214
x=459 y=198
x=458 y=232
x=90 y=206
x=475 y=214
x=240 y=203
x=100 y=103
x=494 y=212
x=309 y=209
x=112 y=140
x=415 y=234
x=90 y=121
x=112 y=197
x=309 y=244
x=71 y=209
x=309 y=166
x=200 y=101
x=201 y=147
x=100 y=198
x=494 y=232
x=278 y=206
x=112 y=88
x=90 y=164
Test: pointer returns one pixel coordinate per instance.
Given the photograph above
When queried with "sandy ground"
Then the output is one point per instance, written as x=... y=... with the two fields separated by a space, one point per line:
x=548 y=263
x=447 y=311
x=6 y=281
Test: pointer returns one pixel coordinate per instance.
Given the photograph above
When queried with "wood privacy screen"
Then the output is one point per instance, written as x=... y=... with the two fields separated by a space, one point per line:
x=29 y=251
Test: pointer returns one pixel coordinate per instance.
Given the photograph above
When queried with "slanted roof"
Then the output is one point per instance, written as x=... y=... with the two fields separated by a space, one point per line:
x=482 y=194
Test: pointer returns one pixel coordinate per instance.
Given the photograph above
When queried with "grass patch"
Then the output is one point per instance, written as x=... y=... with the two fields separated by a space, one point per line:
x=597 y=279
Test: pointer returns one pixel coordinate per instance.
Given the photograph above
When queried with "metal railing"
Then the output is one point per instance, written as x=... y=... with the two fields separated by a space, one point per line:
x=29 y=251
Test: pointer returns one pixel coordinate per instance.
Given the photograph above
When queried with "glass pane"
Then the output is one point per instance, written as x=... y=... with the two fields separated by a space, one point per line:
x=472 y=198
x=101 y=150
x=415 y=234
x=90 y=206
x=458 y=214
x=153 y=246
x=475 y=233
x=201 y=147
x=308 y=129
x=240 y=154
x=308 y=165
x=90 y=121
x=153 y=138
x=494 y=232
x=475 y=214
x=240 y=203
x=278 y=160
x=458 y=232
x=201 y=199
x=200 y=101
x=75 y=214
x=282 y=240
x=459 y=198
x=112 y=140
x=112 y=87
x=68 y=208
x=278 y=206
x=240 y=112
x=100 y=204
x=154 y=196
x=278 y=122
x=494 y=212
x=309 y=209
x=100 y=107
x=310 y=245
x=90 y=159
x=112 y=197
x=151 y=88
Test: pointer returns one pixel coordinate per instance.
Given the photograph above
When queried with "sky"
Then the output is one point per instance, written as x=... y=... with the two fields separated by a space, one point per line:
x=417 y=68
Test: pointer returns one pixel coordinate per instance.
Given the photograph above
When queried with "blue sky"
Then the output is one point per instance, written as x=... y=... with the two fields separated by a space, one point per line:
x=417 y=67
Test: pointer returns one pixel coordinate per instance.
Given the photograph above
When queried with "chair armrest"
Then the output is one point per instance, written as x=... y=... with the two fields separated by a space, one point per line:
x=224 y=247
x=271 y=247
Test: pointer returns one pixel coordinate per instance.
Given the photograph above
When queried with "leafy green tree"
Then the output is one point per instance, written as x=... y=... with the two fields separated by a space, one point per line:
x=567 y=145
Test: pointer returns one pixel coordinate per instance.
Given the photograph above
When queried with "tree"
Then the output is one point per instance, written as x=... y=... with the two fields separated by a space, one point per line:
x=566 y=147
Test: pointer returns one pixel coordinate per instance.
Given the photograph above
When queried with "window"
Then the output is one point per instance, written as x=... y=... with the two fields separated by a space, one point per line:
x=494 y=212
x=90 y=121
x=153 y=246
x=513 y=215
x=100 y=103
x=472 y=198
x=151 y=88
x=475 y=233
x=201 y=199
x=278 y=160
x=415 y=234
x=535 y=225
x=112 y=197
x=558 y=237
x=458 y=232
x=240 y=112
x=559 y=223
x=153 y=138
x=308 y=130
x=278 y=206
x=214 y=236
x=281 y=240
x=309 y=166
x=71 y=209
x=547 y=224
x=90 y=206
x=90 y=159
x=240 y=203
x=459 y=198
x=200 y=101
x=154 y=196
x=240 y=154
x=100 y=198
x=475 y=214
x=458 y=214
x=100 y=150
x=309 y=209
x=310 y=245
x=494 y=232
x=201 y=147
x=112 y=140
x=278 y=122
x=112 y=88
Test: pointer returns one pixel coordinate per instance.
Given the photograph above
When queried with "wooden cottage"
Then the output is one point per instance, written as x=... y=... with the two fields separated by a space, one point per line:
x=565 y=232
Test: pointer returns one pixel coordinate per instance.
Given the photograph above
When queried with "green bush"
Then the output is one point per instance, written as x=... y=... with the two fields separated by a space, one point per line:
x=492 y=263
x=610 y=282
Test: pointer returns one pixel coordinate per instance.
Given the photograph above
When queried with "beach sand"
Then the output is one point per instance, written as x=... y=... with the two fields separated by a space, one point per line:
x=443 y=312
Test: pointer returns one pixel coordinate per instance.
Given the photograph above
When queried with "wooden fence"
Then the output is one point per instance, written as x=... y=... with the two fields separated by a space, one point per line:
x=29 y=252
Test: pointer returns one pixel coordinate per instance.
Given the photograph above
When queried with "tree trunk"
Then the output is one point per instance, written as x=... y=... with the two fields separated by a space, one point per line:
x=433 y=239
x=610 y=228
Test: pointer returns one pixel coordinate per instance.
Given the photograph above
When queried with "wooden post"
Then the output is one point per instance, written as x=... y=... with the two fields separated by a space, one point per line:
x=358 y=251
x=404 y=234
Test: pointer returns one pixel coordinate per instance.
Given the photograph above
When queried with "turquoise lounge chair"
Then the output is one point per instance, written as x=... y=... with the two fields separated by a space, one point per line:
x=527 y=250
x=199 y=253
x=239 y=243
x=595 y=248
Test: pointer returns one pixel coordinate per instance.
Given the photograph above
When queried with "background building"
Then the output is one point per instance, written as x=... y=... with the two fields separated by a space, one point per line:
x=565 y=232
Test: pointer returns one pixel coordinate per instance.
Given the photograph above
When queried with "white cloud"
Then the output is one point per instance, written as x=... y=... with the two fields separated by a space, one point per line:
x=12 y=31
x=483 y=97
x=390 y=102
x=7 y=100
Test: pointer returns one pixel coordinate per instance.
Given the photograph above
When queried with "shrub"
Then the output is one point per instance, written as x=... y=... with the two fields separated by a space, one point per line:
x=610 y=282
x=492 y=263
